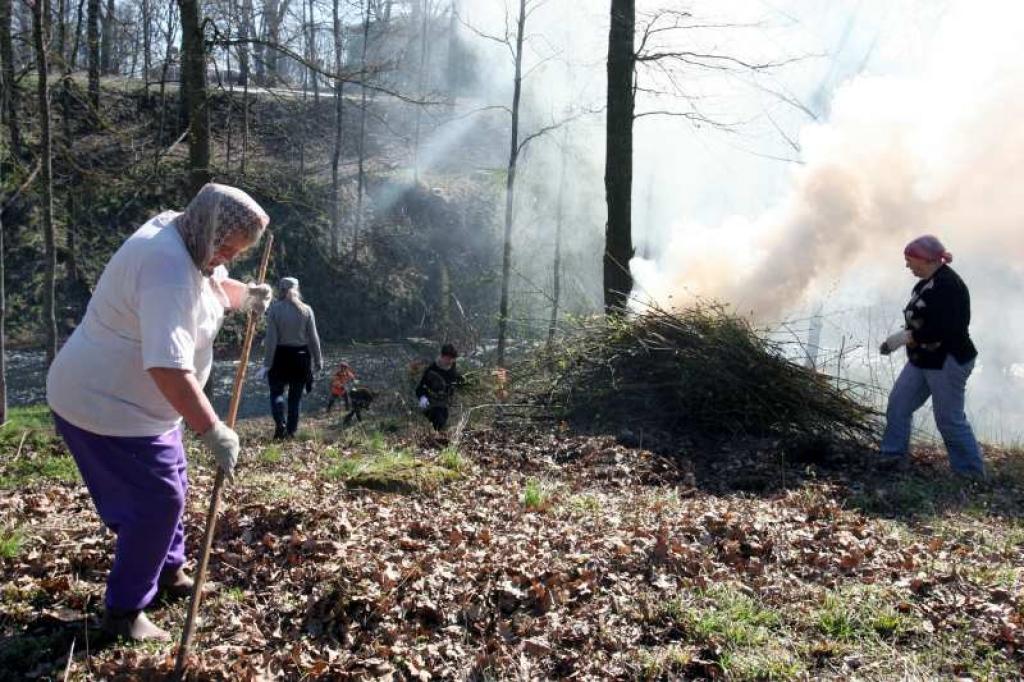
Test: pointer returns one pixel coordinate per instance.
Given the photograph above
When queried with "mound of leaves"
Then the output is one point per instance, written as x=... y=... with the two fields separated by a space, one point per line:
x=700 y=372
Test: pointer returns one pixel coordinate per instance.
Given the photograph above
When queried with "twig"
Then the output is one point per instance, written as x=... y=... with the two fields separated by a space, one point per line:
x=71 y=655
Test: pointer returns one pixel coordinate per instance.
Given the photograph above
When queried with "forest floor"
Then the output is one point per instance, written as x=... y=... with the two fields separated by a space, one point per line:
x=534 y=553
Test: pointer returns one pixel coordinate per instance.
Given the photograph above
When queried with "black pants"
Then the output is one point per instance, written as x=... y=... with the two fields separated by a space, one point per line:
x=283 y=426
x=438 y=416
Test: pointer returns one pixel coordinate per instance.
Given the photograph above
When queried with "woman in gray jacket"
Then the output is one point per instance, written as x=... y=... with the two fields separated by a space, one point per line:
x=292 y=355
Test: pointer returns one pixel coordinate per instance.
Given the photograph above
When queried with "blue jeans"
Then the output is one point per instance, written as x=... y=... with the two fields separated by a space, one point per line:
x=946 y=387
x=277 y=389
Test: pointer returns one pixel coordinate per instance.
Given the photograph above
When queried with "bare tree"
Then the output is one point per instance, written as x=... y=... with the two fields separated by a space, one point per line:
x=618 y=174
x=510 y=185
x=339 y=85
x=10 y=87
x=93 y=51
x=193 y=75
x=361 y=179
x=556 y=280
x=107 y=38
x=40 y=8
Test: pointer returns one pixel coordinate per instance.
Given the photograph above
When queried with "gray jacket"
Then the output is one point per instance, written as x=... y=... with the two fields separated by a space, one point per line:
x=289 y=326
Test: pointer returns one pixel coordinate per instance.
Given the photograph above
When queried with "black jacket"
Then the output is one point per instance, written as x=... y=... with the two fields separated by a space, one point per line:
x=439 y=384
x=937 y=316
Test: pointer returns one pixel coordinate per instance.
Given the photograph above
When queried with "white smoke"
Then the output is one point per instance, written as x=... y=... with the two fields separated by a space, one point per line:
x=928 y=150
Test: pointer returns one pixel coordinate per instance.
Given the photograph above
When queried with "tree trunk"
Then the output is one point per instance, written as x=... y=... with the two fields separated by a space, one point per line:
x=62 y=35
x=107 y=44
x=243 y=49
x=361 y=178
x=147 y=47
x=453 y=53
x=3 y=319
x=193 y=74
x=312 y=54
x=421 y=86
x=618 y=172
x=556 y=286
x=336 y=155
x=73 y=58
x=510 y=186
x=39 y=10
x=10 y=87
x=93 y=46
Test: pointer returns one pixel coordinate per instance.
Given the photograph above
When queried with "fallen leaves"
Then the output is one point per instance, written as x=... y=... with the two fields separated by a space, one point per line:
x=460 y=580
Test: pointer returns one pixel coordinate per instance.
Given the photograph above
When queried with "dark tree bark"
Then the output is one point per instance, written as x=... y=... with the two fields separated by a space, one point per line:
x=193 y=74
x=421 y=86
x=510 y=187
x=361 y=178
x=107 y=41
x=618 y=173
x=556 y=288
x=93 y=48
x=39 y=11
x=3 y=319
x=10 y=88
x=338 y=119
x=147 y=47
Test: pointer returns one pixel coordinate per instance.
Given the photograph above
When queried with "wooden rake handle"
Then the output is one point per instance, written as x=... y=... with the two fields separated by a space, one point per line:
x=218 y=484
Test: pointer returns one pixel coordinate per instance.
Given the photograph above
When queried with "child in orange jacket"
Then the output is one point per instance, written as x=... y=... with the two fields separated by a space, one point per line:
x=341 y=385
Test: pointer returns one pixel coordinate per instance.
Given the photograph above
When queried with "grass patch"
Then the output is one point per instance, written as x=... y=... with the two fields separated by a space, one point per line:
x=585 y=504
x=234 y=595
x=11 y=542
x=723 y=615
x=271 y=454
x=451 y=459
x=771 y=664
x=28 y=427
x=536 y=497
x=38 y=466
x=859 y=614
x=378 y=465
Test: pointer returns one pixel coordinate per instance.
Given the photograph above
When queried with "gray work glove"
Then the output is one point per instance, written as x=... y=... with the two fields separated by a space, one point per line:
x=896 y=340
x=424 y=402
x=222 y=441
x=257 y=298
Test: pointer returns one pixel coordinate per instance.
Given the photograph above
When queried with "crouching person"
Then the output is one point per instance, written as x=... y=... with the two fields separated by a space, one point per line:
x=133 y=369
x=437 y=387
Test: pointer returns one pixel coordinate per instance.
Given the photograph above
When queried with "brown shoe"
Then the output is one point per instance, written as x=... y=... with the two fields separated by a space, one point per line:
x=175 y=584
x=133 y=625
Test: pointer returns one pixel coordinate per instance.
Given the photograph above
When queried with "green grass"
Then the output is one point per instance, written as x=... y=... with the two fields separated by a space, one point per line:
x=271 y=454
x=27 y=427
x=31 y=451
x=450 y=458
x=11 y=542
x=234 y=595
x=535 y=496
x=36 y=467
x=375 y=463
x=859 y=614
x=724 y=615
x=585 y=504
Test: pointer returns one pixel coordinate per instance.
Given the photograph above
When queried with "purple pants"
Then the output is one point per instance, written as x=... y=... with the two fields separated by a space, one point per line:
x=138 y=486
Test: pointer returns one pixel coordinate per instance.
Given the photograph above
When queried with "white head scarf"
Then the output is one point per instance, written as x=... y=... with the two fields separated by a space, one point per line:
x=216 y=214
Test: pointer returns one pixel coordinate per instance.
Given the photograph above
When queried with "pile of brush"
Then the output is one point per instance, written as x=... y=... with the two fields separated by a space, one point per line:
x=700 y=371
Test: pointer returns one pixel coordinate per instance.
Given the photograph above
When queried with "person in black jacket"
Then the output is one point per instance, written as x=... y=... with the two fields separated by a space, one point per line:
x=940 y=357
x=437 y=386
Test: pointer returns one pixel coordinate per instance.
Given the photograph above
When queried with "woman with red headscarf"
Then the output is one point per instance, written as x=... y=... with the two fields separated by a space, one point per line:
x=940 y=358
